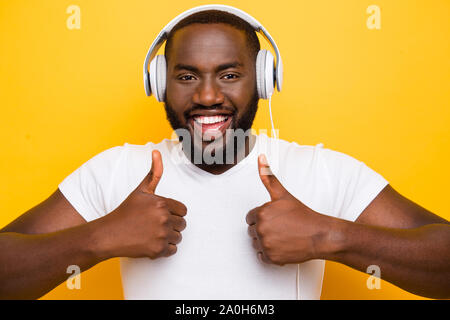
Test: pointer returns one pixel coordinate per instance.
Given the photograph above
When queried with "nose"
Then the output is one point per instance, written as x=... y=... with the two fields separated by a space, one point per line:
x=208 y=93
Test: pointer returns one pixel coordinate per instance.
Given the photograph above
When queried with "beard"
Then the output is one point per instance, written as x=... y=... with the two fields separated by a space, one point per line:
x=219 y=147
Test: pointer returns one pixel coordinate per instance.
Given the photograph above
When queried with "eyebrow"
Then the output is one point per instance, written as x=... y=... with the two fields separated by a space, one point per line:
x=221 y=67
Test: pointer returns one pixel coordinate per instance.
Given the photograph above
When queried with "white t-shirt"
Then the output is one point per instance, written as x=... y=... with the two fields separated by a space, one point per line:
x=215 y=259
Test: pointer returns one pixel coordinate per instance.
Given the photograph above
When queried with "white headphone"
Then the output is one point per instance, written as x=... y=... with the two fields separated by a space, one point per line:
x=266 y=74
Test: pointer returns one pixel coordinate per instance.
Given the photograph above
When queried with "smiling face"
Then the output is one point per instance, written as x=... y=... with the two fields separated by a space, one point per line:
x=211 y=82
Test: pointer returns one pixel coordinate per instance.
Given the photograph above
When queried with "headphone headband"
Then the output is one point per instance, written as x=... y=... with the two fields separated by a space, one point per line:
x=219 y=7
x=162 y=36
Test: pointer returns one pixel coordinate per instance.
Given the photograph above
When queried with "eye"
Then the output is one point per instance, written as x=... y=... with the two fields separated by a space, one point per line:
x=187 y=77
x=230 y=76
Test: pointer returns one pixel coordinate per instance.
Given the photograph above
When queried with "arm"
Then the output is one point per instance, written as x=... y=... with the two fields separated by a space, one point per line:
x=410 y=244
x=38 y=247
x=33 y=264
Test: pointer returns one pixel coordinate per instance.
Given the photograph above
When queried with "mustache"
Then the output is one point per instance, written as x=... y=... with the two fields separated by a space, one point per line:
x=187 y=113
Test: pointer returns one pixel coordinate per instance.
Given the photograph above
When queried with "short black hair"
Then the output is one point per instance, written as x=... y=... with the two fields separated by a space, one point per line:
x=216 y=16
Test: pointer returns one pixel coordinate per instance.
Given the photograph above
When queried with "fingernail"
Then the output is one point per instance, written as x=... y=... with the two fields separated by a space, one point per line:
x=263 y=159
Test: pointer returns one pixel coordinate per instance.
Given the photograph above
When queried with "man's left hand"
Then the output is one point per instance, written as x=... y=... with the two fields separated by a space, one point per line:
x=284 y=230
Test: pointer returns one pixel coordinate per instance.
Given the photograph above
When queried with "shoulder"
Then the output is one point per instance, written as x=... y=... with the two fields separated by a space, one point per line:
x=100 y=184
x=125 y=160
x=139 y=156
x=279 y=151
x=327 y=180
x=322 y=164
x=292 y=153
x=132 y=152
x=286 y=157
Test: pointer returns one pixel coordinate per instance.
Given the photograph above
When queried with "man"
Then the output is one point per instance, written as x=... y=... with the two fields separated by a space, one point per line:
x=247 y=233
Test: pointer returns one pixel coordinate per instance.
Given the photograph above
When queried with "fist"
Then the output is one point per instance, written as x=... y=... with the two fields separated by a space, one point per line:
x=283 y=230
x=145 y=224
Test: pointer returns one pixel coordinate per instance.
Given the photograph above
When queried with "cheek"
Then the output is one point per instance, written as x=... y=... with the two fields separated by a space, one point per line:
x=241 y=94
x=177 y=96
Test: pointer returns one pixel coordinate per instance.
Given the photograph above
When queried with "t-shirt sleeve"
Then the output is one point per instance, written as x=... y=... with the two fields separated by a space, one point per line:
x=88 y=187
x=353 y=184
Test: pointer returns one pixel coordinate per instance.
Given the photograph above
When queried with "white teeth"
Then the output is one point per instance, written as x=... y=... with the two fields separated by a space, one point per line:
x=209 y=120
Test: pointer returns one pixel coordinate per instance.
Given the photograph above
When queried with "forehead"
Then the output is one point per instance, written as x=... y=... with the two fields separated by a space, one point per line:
x=208 y=45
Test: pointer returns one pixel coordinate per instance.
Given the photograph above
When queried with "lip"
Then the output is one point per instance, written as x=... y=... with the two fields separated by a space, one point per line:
x=210 y=113
x=210 y=132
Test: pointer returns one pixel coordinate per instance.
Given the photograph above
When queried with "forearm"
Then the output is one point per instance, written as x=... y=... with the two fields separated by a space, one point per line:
x=32 y=265
x=417 y=260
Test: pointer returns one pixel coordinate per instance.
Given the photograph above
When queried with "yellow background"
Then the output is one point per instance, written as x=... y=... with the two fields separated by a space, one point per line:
x=381 y=96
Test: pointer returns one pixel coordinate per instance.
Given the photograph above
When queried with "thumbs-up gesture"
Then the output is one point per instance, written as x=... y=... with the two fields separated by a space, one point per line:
x=145 y=224
x=283 y=230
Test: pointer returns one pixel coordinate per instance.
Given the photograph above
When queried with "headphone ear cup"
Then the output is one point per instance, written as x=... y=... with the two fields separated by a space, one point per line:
x=269 y=75
x=265 y=74
x=260 y=60
x=161 y=76
x=158 y=69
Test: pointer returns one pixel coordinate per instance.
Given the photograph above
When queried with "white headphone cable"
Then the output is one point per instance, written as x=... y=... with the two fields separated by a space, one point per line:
x=274 y=134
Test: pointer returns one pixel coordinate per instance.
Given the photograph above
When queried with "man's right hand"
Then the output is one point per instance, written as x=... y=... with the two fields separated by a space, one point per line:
x=145 y=224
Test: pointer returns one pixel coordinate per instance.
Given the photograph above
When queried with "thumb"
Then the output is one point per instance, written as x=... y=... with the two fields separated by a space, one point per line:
x=272 y=184
x=151 y=181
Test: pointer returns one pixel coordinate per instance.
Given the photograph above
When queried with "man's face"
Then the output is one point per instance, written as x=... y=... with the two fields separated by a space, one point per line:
x=211 y=85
